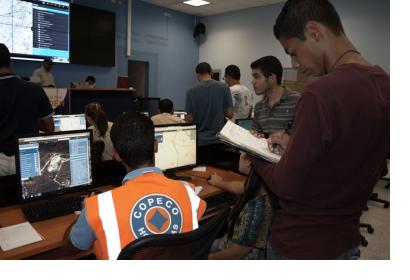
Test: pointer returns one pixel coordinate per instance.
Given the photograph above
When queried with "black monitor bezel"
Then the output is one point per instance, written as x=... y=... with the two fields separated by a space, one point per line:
x=196 y=148
x=57 y=193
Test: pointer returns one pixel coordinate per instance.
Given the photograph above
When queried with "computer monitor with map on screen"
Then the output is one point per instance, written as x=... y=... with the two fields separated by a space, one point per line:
x=53 y=163
x=69 y=122
x=177 y=147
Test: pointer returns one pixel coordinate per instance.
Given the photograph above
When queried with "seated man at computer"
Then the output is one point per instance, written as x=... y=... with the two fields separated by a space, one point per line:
x=166 y=108
x=24 y=108
x=147 y=202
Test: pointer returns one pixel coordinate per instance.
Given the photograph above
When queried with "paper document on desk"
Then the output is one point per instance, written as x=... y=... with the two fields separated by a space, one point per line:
x=198 y=189
x=242 y=139
x=18 y=235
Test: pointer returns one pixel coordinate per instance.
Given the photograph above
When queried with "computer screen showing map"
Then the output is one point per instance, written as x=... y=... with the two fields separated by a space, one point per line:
x=69 y=122
x=177 y=146
x=51 y=163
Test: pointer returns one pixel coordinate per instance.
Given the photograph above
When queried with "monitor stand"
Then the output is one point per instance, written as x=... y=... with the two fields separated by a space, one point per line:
x=171 y=175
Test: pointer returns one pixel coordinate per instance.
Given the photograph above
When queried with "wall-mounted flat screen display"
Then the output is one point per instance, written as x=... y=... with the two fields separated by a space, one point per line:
x=36 y=29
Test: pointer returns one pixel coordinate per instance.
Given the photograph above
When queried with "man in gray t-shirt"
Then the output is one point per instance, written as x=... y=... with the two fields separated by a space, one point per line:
x=207 y=105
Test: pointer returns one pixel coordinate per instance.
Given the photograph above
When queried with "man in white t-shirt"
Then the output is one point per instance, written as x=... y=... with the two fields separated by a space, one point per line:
x=241 y=95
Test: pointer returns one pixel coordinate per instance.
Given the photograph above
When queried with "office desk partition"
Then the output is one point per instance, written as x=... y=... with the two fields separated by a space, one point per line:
x=114 y=101
x=53 y=229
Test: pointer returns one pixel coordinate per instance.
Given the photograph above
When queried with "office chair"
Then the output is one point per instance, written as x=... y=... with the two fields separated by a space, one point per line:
x=370 y=229
x=374 y=196
x=193 y=245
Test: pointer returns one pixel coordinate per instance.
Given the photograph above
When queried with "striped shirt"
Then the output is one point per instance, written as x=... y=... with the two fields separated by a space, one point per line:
x=268 y=120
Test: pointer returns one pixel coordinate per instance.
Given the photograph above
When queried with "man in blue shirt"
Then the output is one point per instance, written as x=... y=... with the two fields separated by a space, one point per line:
x=207 y=105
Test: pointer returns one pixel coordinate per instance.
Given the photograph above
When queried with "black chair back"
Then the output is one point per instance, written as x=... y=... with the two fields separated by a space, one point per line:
x=97 y=149
x=193 y=245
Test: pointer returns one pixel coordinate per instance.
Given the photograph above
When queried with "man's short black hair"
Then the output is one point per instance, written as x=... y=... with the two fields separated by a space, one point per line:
x=269 y=65
x=295 y=14
x=166 y=106
x=90 y=79
x=48 y=61
x=233 y=71
x=203 y=68
x=132 y=136
x=5 y=59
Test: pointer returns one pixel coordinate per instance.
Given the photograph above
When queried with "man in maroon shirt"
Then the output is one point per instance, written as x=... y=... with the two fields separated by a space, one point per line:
x=339 y=141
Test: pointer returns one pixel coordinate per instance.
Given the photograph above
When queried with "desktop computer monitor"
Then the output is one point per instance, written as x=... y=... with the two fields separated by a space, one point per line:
x=177 y=146
x=245 y=123
x=180 y=114
x=69 y=122
x=147 y=104
x=53 y=163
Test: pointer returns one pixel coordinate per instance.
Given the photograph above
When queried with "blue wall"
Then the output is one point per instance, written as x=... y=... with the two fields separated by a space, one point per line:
x=165 y=42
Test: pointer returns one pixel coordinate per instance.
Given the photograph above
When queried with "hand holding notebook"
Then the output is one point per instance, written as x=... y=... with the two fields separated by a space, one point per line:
x=241 y=138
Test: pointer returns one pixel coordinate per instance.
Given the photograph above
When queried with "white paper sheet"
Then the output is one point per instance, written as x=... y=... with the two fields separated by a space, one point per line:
x=15 y=236
x=198 y=189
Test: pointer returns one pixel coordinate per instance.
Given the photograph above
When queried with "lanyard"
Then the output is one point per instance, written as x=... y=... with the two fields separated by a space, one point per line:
x=8 y=77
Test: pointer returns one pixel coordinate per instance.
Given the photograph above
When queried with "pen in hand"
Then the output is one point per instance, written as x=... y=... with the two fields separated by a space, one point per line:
x=276 y=147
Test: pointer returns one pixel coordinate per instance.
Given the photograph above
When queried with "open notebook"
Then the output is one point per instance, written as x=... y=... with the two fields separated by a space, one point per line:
x=241 y=138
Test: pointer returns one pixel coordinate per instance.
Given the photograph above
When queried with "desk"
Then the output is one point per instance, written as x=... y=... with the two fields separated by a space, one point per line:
x=53 y=229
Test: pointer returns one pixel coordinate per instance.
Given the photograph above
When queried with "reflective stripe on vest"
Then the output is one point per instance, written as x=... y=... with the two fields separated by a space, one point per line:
x=195 y=200
x=108 y=217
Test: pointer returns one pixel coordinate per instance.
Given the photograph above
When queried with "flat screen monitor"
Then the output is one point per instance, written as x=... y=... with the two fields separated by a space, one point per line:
x=245 y=123
x=36 y=29
x=147 y=104
x=54 y=163
x=180 y=114
x=92 y=36
x=177 y=146
x=69 y=122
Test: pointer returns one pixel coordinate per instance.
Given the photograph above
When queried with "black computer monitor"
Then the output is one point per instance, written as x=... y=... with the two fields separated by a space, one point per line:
x=245 y=123
x=69 y=122
x=147 y=104
x=53 y=163
x=177 y=147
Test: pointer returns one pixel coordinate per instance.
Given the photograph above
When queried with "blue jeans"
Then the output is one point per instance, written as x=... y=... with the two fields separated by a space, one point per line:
x=352 y=254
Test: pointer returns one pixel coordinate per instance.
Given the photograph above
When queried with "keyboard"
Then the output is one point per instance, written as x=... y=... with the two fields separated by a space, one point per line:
x=218 y=201
x=52 y=208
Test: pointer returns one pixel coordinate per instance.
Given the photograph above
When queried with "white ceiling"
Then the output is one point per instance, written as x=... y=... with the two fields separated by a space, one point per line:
x=216 y=6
